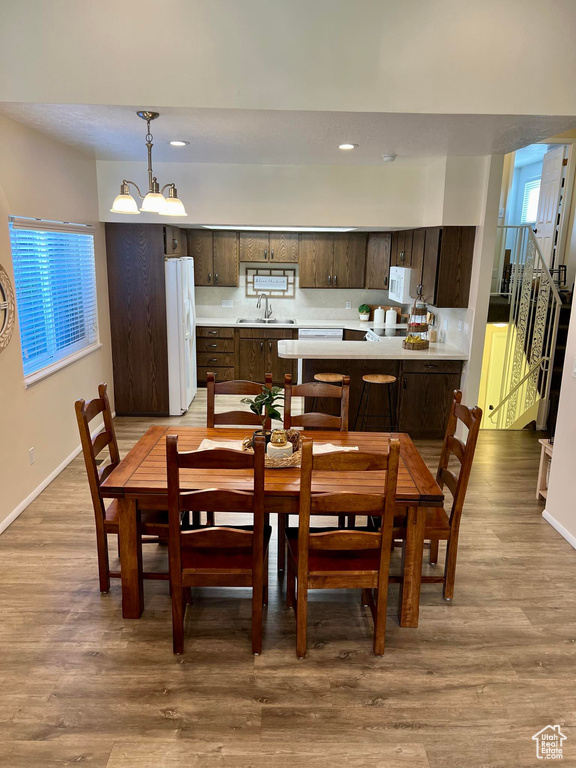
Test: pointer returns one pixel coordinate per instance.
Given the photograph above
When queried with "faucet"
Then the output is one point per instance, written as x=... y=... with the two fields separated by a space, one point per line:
x=267 y=307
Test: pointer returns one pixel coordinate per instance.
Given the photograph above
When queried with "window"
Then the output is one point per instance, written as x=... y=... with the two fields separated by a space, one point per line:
x=55 y=292
x=530 y=201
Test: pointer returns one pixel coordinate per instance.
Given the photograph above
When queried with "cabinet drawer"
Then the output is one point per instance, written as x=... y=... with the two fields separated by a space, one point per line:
x=265 y=333
x=206 y=359
x=221 y=374
x=214 y=345
x=431 y=366
x=221 y=333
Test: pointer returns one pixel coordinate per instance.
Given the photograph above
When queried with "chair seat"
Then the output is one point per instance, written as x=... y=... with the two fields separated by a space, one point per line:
x=437 y=524
x=334 y=560
x=221 y=559
x=378 y=378
x=150 y=518
x=329 y=378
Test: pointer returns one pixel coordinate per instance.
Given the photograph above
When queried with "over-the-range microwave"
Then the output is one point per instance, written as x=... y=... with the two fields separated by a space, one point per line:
x=399 y=286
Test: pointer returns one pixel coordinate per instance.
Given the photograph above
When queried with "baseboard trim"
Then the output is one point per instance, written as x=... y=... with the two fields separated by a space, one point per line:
x=570 y=538
x=7 y=522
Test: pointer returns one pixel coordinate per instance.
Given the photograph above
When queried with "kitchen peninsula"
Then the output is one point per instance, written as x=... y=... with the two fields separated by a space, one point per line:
x=425 y=378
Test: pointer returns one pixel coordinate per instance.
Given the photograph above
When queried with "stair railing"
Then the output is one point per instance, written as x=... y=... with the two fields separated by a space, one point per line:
x=532 y=329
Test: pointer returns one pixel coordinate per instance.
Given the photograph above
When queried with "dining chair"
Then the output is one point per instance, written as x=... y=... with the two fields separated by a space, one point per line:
x=220 y=556
x=153 y=523
x=441 y=525
x=316 y=390
x=244 y=388
x=343 y=559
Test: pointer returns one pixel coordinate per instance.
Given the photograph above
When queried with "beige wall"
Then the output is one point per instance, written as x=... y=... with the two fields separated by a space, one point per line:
x=42 y=178
x=436 y=56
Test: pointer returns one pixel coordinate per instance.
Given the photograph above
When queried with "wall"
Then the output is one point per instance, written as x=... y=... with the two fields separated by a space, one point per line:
x=42 y=178
x=436 y=56
x=560 y=506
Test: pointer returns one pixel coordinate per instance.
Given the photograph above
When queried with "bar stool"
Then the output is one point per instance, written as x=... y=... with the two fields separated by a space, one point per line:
x=326 y=378
x=377 y=379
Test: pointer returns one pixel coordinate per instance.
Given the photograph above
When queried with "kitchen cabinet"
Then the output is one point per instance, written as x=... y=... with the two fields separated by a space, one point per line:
x=445 y=267
x=258 y=355
x=332 y=261
x=401 y=255
x=137 y=296
x=276 y=247
x=425 y=396
x=215 y=351
x=418 y=245
x=378 y=261
x=174 y=239
x=215 y=256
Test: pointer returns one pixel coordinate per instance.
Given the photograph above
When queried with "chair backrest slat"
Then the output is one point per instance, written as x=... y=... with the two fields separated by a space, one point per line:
x=209 y=538
x=344 y=540
x=463 y=451
x=216 y=501
x=317 y=389
x=237 y=387
x=92 y=448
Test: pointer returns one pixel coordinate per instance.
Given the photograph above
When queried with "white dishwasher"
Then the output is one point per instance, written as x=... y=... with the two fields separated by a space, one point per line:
x=324 y=334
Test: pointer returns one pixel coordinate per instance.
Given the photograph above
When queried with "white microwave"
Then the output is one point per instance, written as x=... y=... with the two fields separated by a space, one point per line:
x=399 y=289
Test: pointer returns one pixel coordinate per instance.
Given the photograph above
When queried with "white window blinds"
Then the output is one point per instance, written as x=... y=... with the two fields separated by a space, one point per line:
x=55 y=290
x=530 y=201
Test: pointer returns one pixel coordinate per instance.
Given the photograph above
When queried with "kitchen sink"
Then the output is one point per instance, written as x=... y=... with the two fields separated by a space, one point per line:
x=263 y=321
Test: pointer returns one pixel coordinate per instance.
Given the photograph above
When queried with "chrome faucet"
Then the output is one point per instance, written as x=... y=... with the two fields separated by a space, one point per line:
x=267 y=307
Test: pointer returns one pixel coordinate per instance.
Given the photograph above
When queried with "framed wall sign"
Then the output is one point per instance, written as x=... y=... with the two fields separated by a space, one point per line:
x=280 y=283
x=7 y=309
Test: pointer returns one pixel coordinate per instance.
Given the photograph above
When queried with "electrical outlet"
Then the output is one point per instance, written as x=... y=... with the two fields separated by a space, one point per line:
x=466 y=328
x=459 y=326
x=227 y=303
x=444 y=324
x=348 y=305
x=31 y=456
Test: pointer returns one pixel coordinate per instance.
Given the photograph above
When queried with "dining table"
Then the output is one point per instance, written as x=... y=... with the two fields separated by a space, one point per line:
x=139 y=482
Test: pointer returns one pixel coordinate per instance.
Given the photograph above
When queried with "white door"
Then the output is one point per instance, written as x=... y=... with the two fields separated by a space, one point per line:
x=549 y=201
x=188 y=358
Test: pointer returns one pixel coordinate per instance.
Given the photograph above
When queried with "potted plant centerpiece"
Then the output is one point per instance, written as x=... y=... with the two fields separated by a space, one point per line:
x=264 y=406
x=364 y=312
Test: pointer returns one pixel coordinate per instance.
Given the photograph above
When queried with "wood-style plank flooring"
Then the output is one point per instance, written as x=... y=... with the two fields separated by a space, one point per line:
x=467 y=689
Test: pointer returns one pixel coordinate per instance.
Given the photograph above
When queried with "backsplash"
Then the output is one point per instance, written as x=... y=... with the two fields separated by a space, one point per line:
x=454 y=327
x=308 y=304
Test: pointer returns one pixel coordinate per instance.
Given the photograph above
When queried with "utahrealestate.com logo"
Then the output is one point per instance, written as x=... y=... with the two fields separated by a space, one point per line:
x=549 y=743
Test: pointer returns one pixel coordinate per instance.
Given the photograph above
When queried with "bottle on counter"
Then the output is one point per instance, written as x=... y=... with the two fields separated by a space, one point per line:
x=379 y=315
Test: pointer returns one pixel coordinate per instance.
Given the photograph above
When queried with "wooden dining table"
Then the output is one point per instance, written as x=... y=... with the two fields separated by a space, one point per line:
x=139 y=482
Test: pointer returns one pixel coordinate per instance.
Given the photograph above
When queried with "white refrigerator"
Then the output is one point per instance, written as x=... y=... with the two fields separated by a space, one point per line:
x=181 y=325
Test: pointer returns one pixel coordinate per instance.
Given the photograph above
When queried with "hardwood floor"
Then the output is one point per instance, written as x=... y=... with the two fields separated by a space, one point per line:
x=467 y=689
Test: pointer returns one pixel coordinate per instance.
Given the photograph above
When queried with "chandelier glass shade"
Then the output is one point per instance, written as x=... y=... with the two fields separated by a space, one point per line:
x=153 y=201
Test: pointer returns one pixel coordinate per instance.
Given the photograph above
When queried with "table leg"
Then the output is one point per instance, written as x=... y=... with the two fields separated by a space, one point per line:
x=131 y=560
x=412 y=550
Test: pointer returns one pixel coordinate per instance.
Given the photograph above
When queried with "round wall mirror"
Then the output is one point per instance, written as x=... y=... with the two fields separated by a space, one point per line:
x=7 y=309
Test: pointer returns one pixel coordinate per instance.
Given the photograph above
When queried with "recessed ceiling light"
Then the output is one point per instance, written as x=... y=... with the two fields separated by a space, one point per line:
x=279 y=229
x=347 y=146
x=179 y=143
x=389 y=158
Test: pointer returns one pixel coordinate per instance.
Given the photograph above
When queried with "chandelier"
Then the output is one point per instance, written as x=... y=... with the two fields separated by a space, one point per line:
x=154 y=201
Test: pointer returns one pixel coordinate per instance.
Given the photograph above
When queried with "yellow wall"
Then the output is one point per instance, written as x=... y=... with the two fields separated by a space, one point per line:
x=45 y=179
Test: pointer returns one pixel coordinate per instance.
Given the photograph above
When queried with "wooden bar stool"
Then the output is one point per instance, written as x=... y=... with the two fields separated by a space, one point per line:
x=326 y=378
x=377 y=379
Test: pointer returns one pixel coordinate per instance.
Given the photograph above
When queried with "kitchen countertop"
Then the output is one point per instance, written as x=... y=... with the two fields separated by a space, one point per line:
x=385 y=349
x=348 y=325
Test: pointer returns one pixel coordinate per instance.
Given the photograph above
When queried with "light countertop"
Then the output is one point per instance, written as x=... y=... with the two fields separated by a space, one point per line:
x=385 y=349
x=348 y=325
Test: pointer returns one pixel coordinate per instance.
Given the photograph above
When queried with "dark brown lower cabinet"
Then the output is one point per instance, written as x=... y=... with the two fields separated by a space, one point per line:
x=425 y=396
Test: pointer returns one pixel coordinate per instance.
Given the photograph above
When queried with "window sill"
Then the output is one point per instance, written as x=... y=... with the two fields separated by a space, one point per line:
x=43 y=373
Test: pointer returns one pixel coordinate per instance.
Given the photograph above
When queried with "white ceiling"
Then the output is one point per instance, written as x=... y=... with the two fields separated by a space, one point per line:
x=282 y=137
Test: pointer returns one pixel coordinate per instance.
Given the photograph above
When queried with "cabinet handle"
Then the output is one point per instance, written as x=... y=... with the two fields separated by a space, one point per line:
x=272 y=253
x=213 y=360
x=265 y=254
x=213 y=345
x=216 y=277
x=209 y=277
x=335 y=279
x=430 y=365
x=385 y=282
x=405 y=383
x=329 y=279
x=402 y=254
x=174 y=244
x=270 y=346
x=261 y=346
x=213 y=333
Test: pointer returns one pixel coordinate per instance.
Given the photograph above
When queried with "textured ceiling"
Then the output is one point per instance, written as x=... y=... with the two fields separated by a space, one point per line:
x=282 y=137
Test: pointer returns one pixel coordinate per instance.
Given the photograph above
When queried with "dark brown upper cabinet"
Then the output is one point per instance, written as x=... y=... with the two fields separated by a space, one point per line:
x=270 y=247
x=215 y=256
x=175 y=241
x=418 y=245
x=444 y=266
x=332 y=261
x=378 y=261
x=401 y=255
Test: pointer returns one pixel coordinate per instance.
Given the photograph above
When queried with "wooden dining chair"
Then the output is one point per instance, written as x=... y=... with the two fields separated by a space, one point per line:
x=220 y=556
x=316 y=390
x=244 y=388
x=441 y=525
x=154 y=524
x=343 y=559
